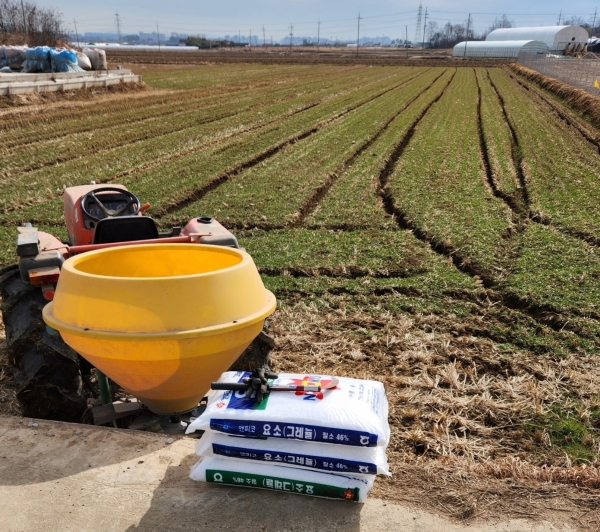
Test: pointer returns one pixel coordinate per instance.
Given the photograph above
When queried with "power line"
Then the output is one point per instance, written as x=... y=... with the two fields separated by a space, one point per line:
x=418 y=30
x=291 y=36
x=318 y=34
x=76 y=32
x=424 y=26
x=358 y=35
x=118 y=23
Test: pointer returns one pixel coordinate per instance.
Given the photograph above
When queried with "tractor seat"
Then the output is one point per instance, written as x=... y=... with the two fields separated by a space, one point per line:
x=125 y=229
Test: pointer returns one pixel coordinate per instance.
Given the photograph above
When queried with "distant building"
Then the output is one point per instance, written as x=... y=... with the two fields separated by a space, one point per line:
x=152 y=37
x=498 y=49
x=556 y=38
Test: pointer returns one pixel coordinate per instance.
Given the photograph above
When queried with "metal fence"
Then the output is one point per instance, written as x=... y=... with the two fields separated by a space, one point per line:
x=581 y=72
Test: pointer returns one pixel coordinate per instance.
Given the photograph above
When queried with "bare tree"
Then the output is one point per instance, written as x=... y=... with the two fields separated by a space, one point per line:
x=501 y=22
x=450 y=34
x=26 y=23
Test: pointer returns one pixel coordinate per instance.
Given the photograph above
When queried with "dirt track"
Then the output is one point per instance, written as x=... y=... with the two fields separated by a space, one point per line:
x=281 y=55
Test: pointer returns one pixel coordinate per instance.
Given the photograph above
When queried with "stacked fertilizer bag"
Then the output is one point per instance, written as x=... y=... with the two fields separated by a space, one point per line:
x=329 y=443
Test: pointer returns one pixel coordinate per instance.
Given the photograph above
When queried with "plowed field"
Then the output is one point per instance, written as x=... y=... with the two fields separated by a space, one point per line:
x=433 y=228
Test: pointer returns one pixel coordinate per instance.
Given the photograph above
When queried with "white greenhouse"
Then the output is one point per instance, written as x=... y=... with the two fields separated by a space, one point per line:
x=498 y=49
x=555 y=37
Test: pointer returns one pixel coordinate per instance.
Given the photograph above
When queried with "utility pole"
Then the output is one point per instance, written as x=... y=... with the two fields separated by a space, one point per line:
x=468 y=27
x=118 y=24
x=291 y=36
x=158 y=37
x=264 y=38
x=406 y=41
x=318 y=34
x=358 y=36
x=24 y=19
x=239 y=36
x=250 y=39
x=424 y=26
x=559 y=17
x=76 y=32
x=594 y=23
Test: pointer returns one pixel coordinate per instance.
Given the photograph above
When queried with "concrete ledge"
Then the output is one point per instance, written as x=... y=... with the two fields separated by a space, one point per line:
x=11 y=84
x=68 y=477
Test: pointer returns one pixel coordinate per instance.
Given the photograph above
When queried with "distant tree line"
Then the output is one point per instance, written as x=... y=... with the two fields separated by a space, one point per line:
x=205 y=44
x=450 y=34
x=26 y=23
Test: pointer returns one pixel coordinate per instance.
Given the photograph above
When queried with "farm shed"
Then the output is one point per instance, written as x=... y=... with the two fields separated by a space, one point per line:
x=555 y=37
x=498 y=49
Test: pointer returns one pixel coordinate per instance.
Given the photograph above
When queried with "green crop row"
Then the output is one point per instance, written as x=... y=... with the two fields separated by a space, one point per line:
x=179 y=148
x=25 y=119
x=497 y=137
x=439 y=183
x=229 y=76
x=274 y=191
x=115 y=130
x=144 y=108
x=195 y=170
x=353 y=200
x=561 y=168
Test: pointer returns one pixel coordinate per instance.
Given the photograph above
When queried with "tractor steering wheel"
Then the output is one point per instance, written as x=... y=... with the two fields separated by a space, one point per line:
x=133 y=200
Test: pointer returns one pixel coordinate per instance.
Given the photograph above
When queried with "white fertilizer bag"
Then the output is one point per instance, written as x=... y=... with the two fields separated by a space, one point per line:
x=341 y=459
x=291 y=480
x=355 y=412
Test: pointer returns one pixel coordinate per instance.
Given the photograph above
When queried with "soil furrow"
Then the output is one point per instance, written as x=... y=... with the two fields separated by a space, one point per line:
x=153 y=135
x=218 y=180
x=319 y=193
x=150 y=135
x=500 y=194
x=189 y=151
x=342 y=272
x=516 y=151
x=572 y=123
x=539 y=217
x=543 y=314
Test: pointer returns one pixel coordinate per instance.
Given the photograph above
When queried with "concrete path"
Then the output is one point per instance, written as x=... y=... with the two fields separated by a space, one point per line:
x=65 y=477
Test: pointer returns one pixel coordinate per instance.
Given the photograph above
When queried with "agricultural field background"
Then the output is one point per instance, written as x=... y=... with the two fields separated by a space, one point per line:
x=434 y=228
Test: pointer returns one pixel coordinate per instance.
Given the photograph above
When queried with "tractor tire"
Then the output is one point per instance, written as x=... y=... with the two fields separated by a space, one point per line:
x=46 y=371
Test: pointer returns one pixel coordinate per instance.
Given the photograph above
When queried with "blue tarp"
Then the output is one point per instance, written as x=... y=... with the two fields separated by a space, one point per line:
x=37 y=60
x=64 y=60
x=43 y=59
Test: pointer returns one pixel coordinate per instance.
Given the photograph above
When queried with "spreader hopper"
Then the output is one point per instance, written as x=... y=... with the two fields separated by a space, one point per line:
x=161 y=320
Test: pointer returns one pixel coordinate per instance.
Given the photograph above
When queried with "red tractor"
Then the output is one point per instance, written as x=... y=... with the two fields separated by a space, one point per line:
x=52 y=380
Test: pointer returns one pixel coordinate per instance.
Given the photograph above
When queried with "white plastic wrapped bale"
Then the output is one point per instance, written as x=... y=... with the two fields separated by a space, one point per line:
x=97 y=58
x=83 y=61
x=355 y=412
x=286 y=479
x=15 y=56
x=342 y=459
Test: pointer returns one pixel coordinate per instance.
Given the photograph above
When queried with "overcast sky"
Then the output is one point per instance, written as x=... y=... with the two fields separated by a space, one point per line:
x=381 y=17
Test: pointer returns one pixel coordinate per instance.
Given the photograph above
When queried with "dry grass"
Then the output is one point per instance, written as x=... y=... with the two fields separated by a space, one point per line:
x=580 y=100
x=85 y=95
x=453 y=398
